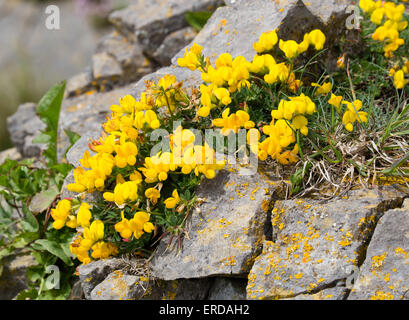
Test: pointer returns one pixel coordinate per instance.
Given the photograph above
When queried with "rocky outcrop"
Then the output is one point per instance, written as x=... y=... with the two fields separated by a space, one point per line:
x=384 y=275
x=316 y=245
x=13 y=278
x=226 y=232
x=23 y=126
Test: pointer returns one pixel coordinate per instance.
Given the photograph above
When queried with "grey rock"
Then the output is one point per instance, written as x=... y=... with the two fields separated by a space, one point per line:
x=234 y=28
x=105 y=67
x=95 y=272
x=118 y=286
x=128 y=54
x=23 y=126
x=335 y=293
x=315 y=245
x=228 y=289
x=149 y=22
x=225 y=235
x=385 y=273
x=79 y=84
x=86 y=113
x=11 y=154
x=172 y=44
x=121 y=286
x=13 y=278
x=76 y=152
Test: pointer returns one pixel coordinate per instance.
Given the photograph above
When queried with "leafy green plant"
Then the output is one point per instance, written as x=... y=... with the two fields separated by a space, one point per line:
x=29 y=189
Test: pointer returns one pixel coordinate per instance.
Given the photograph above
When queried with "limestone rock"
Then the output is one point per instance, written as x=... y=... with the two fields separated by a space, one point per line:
x=121 y=286
x=315 y=245
x=335 y=293
x=86 y=113
x=228 y=289
x=13 y=278
x=105 y=67
x=11 y=154
x=95 y=272
x=172 y=44
x=385 y=273
x=225 y=235
x=234 y=28
x=128 y=54
x=79 y=84
x=150 y=21
x=76 y=152
x=23 y=126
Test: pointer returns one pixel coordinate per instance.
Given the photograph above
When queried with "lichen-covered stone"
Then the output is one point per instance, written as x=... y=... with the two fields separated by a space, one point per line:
x=385 y=273
x=95 y=272
x=234 y=28
x=225 y=235
x=315 y=245
x=150 y=21
x=228 y=289
x=79 y=84
x=121 y=286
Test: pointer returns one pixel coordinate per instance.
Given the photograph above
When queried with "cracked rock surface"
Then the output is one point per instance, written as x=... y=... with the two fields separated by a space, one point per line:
x=315 y=245
x=225 y=235
x=385 y=271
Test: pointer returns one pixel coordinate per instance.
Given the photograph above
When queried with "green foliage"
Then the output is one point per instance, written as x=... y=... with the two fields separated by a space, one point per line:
x=198 y=19
x=28 y=191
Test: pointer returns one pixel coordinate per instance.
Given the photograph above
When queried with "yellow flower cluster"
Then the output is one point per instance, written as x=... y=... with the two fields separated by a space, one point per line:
x=389 y=17
x=92 y=240
x=135 y=226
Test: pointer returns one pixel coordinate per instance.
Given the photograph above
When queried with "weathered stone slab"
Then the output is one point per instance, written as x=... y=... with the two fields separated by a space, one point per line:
x=225 y=235
x=128 y=54
x=95 y=272
x=315 y=245
x=120 y=286
x=150 y=21
x=79 y=84
x=104 y=66
x=234 y=28
x=385 y=273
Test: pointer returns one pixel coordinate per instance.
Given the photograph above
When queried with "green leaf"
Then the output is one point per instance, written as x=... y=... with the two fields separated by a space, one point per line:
x=29 y=223
x=29 y=294
x=42 y=200
x=54 y=248
x=198 y=19
x=48 y=109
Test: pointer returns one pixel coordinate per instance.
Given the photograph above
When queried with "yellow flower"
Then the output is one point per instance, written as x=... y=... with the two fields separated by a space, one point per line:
x=223 y=95
x=84 y=215
x=353 y=114
x=135 y=226
x=171 y=202
x=322 y=89
x=203 y=112
x=190 y=59
x=316 y=38
x=103 y=250
x=399 y=79
x=300 y=122
x=153 y=195
x=266 y=41
x=335 y=101
x=60 y=213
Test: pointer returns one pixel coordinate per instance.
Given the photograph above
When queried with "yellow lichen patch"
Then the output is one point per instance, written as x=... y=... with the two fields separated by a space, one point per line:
x=380 y=295
x=377 y=261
